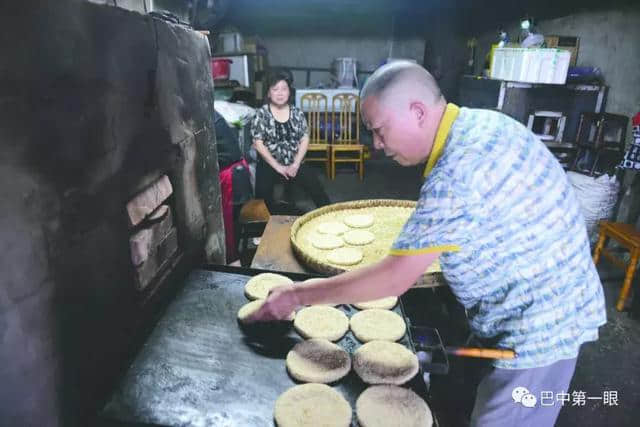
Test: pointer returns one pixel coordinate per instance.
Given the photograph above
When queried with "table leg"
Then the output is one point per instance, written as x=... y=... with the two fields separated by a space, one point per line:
x=626 y=286
x=602 y=237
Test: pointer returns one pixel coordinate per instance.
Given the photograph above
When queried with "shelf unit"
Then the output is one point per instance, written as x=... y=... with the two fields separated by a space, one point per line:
x=520 y=100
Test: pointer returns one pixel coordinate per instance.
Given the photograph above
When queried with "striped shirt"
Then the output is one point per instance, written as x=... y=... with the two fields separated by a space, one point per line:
x=514 y=245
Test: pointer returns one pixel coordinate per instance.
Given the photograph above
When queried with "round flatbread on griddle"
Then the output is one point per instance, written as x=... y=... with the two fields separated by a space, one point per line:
x=384 y=362
x=312 y=405
x=321 y=321
x=383 y=303
x=251 y=307
x=259 y=286
x=377 y=324
x=378 y=405
x=318 y=361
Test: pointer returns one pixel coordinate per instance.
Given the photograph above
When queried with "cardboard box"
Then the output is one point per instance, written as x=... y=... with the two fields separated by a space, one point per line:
x=569 y=43
x=530 y=65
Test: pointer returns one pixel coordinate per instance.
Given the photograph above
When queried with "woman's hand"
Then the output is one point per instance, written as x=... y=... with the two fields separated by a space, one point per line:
x=259 y=146
x=282 y=170
x=292 y=169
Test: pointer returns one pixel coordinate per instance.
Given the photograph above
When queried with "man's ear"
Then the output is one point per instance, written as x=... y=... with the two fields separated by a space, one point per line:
x=419 y=111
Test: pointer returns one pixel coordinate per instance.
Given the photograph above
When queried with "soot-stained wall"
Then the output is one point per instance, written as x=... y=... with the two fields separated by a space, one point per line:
x=96 y=104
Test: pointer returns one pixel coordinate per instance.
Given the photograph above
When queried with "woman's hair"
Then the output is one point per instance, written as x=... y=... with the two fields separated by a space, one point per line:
x=275 y=76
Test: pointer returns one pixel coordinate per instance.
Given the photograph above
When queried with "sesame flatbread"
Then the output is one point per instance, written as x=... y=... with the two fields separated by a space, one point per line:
x=326 y=241
x=383 y=303
x=318 y=361
x=312 y=405
x=332 y=227
x=384 y=362
x=345 y=256
x=377 y=324
x=321 y=321
x=379 y=404
x=359 y=220
x=358 y=237
x=259 y=286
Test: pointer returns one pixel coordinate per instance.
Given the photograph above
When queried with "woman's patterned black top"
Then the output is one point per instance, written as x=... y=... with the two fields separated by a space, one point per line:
x=281 y=139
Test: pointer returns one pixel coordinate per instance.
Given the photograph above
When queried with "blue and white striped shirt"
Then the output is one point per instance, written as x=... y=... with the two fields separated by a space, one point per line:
x=515 y=247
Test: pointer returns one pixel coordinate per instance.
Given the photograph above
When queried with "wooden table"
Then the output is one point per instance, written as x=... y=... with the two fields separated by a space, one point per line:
x=274 y=251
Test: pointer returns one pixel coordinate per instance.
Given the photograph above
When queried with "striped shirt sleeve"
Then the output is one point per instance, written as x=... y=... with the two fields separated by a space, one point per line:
x=437 y=224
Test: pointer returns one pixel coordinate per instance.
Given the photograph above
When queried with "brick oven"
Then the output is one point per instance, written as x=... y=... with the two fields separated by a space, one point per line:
x=109 y=193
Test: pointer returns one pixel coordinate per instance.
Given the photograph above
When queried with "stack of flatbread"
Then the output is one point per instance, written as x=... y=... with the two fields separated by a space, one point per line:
x=317 y=361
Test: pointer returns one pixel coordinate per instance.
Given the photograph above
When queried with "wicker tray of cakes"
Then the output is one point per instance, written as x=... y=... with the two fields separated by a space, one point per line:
x=349 y=235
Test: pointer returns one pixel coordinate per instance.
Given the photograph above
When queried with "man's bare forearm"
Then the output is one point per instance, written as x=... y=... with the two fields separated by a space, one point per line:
x=390 y=277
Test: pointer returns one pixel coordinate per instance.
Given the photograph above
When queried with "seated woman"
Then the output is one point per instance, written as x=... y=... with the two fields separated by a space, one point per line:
x=280 y=137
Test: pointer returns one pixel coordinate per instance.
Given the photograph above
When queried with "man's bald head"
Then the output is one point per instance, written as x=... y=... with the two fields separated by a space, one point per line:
x=402 y=79
x=402 y=106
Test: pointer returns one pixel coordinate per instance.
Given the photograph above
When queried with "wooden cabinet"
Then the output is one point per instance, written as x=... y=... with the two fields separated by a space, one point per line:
x=519 y=100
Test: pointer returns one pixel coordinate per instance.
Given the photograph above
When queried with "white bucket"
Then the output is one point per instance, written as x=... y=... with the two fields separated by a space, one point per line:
x=230 y=42
x=390 y=60
x=346 y=72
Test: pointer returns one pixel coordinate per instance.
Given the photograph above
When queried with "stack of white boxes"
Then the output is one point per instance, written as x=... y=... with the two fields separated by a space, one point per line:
x=530 y=65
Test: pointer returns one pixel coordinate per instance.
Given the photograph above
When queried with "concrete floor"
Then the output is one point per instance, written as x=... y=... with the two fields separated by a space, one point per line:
x=610 y=364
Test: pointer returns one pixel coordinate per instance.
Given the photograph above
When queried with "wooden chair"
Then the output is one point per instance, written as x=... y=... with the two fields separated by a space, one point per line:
x=346 y=132
x=600 y=142
x=315 y=105
x=628 y=237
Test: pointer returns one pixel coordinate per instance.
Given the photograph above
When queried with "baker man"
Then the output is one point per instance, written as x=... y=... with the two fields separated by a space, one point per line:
x=497 y=210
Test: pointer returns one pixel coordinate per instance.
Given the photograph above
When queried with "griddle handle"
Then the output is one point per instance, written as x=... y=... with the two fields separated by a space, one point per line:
x=485 y=353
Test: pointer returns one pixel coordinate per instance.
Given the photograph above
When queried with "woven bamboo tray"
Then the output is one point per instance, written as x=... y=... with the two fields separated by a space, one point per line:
x=390 y=216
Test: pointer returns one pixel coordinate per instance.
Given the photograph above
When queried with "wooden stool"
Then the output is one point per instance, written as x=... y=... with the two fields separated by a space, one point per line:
x=628 y=237
x=252 y=220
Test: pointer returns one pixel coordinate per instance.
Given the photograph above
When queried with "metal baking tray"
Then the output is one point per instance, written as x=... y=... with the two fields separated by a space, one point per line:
x=198 y=368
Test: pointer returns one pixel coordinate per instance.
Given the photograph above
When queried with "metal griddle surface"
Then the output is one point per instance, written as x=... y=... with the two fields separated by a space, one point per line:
x=197 y=368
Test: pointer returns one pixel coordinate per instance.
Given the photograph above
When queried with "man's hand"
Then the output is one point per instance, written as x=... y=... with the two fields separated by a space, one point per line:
x=280 y=303
x=292 y=169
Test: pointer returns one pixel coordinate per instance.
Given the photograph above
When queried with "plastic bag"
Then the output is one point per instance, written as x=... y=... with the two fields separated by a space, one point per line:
x=233 y=112
x=597 y=197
